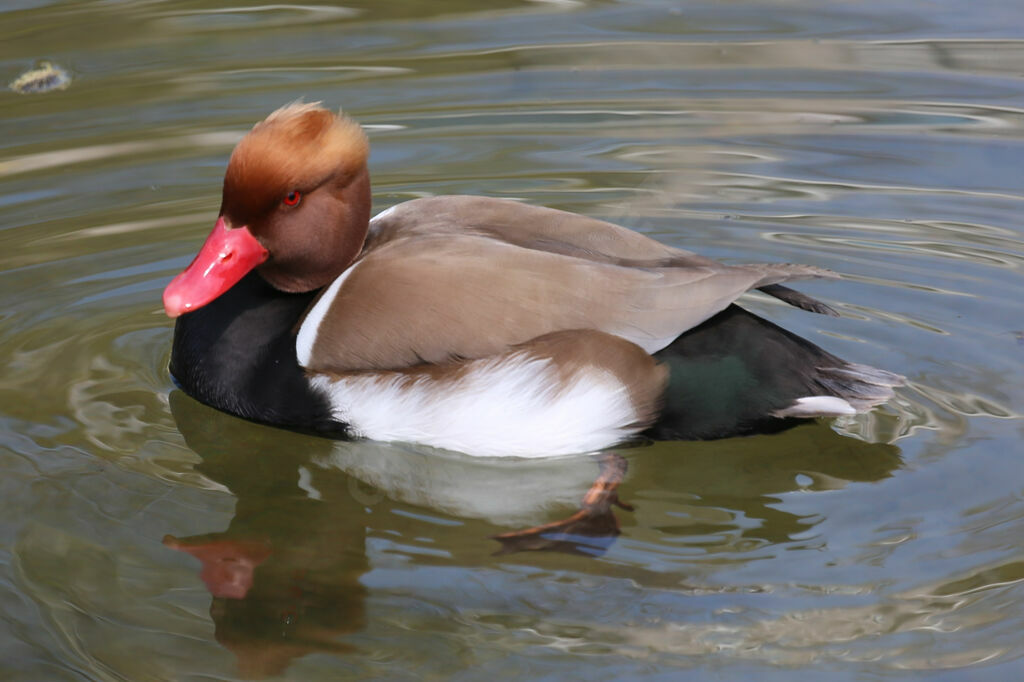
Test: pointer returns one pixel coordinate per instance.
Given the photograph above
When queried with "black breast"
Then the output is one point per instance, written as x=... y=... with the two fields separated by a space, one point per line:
x=237 y=354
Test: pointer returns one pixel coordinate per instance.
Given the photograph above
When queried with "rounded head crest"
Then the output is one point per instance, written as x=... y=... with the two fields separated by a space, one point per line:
x=297 y=147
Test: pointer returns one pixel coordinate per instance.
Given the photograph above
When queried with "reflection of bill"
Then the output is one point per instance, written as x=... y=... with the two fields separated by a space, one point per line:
x=228 y=565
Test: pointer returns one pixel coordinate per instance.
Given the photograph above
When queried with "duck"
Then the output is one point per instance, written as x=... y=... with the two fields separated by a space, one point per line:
x=487 y=326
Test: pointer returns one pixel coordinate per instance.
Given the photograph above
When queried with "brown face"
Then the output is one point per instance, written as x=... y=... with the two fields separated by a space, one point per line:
x=296 y=206
x=312 y=233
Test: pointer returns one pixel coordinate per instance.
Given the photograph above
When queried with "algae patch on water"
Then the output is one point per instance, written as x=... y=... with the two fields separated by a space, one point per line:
x=43 y=78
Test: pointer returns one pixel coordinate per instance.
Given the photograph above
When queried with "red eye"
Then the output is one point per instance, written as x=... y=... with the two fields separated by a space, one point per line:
x=292 y=198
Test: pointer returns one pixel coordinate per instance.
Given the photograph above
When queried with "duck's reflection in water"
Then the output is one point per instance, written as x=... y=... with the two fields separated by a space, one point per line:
x=285 y=576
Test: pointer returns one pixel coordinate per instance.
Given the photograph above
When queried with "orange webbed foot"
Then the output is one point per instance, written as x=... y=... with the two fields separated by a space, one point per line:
x=590 y=531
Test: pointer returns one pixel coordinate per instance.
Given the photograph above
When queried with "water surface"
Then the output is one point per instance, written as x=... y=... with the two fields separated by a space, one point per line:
x=143 y=536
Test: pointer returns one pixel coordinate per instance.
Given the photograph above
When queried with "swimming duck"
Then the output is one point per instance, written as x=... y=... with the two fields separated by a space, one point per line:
x=482 y=325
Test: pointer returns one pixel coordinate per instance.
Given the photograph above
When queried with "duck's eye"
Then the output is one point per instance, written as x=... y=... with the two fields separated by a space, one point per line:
x=292 y=198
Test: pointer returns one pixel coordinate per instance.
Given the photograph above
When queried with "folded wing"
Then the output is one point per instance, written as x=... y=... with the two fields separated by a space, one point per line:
x=468 y=277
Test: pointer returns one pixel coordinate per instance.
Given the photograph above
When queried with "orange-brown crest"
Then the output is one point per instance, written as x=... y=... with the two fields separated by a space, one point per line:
x=297 y=147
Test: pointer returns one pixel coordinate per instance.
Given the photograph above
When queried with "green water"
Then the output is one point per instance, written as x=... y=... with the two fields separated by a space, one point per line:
x=879 y=139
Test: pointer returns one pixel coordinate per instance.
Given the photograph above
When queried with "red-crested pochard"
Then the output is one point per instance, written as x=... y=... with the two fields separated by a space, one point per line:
x=481 y=325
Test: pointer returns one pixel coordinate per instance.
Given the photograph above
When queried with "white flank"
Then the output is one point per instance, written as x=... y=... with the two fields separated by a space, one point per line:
x=311 y=325
x=817 y=406
x=511 y=406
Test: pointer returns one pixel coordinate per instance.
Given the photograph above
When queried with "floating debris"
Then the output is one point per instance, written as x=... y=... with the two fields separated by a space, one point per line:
x=43 y=78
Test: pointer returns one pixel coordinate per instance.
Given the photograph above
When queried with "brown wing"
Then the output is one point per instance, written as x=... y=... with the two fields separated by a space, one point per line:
x=548 y=229
x=420 y=296
x=531 y=227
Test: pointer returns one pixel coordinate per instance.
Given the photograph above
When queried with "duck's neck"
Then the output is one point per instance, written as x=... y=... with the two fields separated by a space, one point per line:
x=237 y=354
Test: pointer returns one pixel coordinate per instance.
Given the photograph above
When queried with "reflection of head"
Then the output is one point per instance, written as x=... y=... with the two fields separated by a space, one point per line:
x=268 y=607
x=285 y=574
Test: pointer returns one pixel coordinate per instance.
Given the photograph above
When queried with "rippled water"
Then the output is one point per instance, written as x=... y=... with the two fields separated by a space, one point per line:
x=143 y=536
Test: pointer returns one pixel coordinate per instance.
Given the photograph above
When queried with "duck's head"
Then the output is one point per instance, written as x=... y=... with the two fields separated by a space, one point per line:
x=295 y=208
